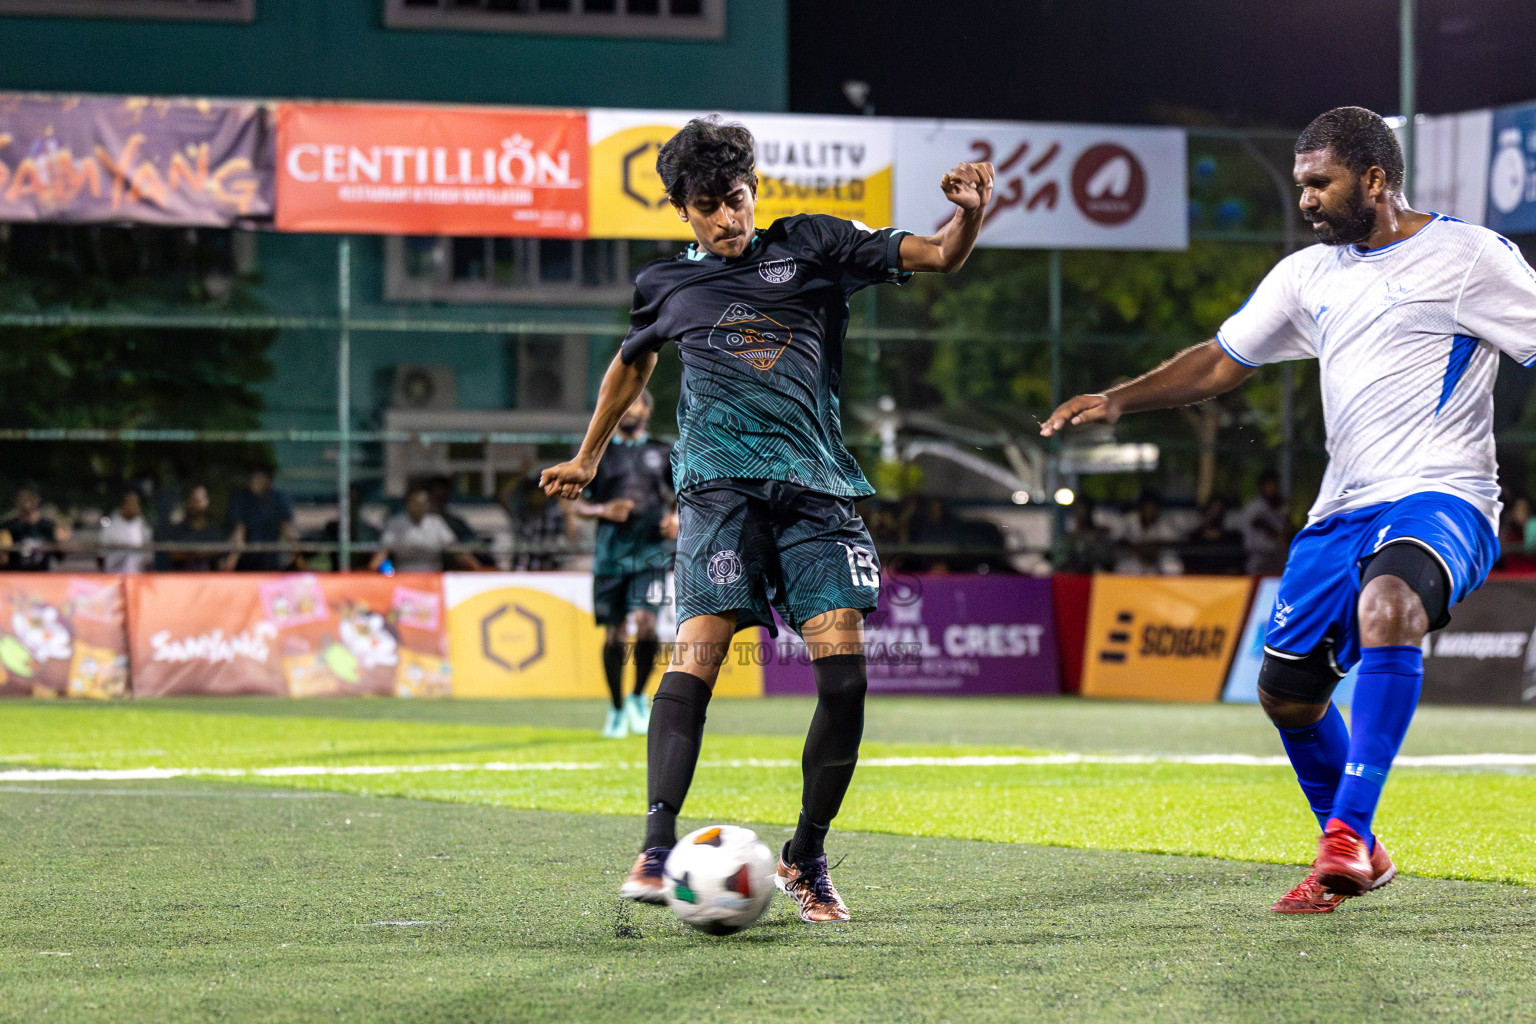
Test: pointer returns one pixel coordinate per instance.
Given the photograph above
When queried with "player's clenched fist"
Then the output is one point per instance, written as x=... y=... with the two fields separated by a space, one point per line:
x=567 y=480
x=969 y=186
x=1080 y=410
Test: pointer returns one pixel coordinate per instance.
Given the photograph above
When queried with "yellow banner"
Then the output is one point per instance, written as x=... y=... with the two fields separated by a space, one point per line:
x=531 y=634
x=834 y=165
x=1163 y=637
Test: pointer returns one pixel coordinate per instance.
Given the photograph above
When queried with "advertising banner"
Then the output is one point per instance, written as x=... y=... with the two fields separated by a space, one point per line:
x=62 y=636
x=1163 y=637
x=107 y=159
x=531 y=634
x=1059 y=186
x=1487 y=655
x=952 y=635
x=1243 y=679
x=431 y=170
x=835 y=165
x=300 y=635
x=1512 y=171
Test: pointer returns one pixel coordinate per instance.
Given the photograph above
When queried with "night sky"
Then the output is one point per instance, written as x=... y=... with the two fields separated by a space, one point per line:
x=1238 y=62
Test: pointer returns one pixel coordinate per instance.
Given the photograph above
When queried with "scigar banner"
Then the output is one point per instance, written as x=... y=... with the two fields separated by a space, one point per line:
x=835 y=165
x=104 y=159
x=1163 y=637
x=431 y=170
x=1058 y=186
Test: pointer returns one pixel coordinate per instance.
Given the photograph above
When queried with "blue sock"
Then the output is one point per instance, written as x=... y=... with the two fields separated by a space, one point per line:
x=1318 y=753
x=1386 y=695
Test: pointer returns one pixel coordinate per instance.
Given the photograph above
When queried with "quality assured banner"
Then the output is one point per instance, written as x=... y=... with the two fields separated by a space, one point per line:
x=431 y=170
x=1163 y=637
x=1059 y=186
x=834 y=165
x=299 y=635
x=106 y=159
x=956 y=635
x=62 y=636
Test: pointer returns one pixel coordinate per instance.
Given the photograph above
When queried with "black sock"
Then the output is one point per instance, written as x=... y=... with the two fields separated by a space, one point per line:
x=672 y=752
x=645 y=661
x=613 y=671
x=831 y=749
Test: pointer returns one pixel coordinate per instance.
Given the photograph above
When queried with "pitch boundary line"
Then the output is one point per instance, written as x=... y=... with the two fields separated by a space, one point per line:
x=1476 y=761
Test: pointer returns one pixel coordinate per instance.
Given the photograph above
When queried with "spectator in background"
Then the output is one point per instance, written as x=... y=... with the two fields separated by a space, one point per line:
x=1264 y=532
x=259 y=514
x=1085 y=547
x=1212 y=549
x=35 y=534
x=126 y=538
x=1148 y=540
x=417 y=539
x=360 y=530
x=541 y=528
x=440 y=490
x=194 y=526
x=1513 y=557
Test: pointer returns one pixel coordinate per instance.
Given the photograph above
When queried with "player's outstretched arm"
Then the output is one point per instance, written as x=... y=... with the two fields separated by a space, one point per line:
x=969 y=187
x=1193 y=375
x=622 y=384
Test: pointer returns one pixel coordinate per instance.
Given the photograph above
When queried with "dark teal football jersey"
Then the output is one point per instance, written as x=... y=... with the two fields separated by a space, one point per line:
x=761 y=342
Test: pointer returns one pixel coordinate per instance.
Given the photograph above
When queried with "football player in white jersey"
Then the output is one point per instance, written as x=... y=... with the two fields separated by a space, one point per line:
x=1406 y=313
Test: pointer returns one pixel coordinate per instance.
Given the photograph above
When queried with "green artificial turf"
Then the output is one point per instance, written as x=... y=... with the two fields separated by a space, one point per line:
x=184 y=900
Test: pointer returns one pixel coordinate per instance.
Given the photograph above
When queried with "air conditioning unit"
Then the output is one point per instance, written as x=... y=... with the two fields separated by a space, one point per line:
x=424 y=387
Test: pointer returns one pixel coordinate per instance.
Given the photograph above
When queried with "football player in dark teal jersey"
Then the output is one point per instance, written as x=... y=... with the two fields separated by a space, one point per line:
x=631 y=498
x=765 y=486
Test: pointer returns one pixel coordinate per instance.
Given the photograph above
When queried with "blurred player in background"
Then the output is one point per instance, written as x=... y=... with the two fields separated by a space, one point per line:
x=631 y=497
x=1406 y=313
x=765 y=486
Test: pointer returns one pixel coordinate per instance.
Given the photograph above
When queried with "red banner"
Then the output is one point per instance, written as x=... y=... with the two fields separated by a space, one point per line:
x=88 y=159
x=297 y=635
x=62 y=636
x=431 y=170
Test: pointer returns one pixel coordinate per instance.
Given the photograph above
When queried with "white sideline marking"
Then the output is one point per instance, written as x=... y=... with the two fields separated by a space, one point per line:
x=977 y=761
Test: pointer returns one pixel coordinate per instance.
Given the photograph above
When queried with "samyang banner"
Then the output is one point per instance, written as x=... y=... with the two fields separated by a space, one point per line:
x=1163 y=637
x=423 y=170
x=62 y=636
x=298 y=635
x=952 y=635
x=108 y=159
x=1058 y=186
x=805 y=164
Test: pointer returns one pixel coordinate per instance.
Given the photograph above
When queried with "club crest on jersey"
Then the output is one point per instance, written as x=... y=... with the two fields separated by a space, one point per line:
x=724 y=567
x=777 y=271
x=750 y=336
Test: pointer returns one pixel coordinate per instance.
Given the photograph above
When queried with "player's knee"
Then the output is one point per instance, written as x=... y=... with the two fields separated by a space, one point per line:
x=1390 y=613
x=1294 y=692
x=645 y=625
x=841 y=677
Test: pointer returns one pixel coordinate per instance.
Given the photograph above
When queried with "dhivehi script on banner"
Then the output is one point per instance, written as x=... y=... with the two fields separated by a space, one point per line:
x=805 y=164
x=1058 y=186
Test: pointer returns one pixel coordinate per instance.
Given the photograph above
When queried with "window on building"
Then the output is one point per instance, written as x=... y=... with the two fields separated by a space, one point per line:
x=658 y=19
x=192 y=10
x=535 y=271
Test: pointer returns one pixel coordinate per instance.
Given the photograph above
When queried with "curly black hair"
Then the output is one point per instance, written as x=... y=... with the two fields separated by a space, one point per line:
x=707 y=157
x=1359 y=139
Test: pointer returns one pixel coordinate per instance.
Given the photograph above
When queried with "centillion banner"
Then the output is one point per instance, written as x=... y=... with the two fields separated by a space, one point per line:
x=531 y=634
x=1163 y=637
x=840 y=166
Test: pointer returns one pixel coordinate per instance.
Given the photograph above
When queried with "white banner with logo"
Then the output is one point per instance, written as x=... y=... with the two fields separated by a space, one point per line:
x=1059 y=186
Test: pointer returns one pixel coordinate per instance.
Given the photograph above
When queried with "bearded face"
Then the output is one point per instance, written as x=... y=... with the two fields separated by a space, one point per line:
x=1351 y=220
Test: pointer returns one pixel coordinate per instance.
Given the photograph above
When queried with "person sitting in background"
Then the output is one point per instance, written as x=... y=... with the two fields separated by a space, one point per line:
x=36 y=536
x=259 y=514
x=126 y=537
x=1513 y=558
x=1085 y=546
x=1263 y=527
x=1147 y=540
x=541 y=529
x=194 y=526
x=360 y=531
x=1212 y=549
x=417 y=539
x=440 y=489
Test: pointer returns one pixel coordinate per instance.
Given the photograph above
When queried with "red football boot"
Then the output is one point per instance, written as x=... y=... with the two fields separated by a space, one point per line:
x=1343 y=860
x=1313 y=897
